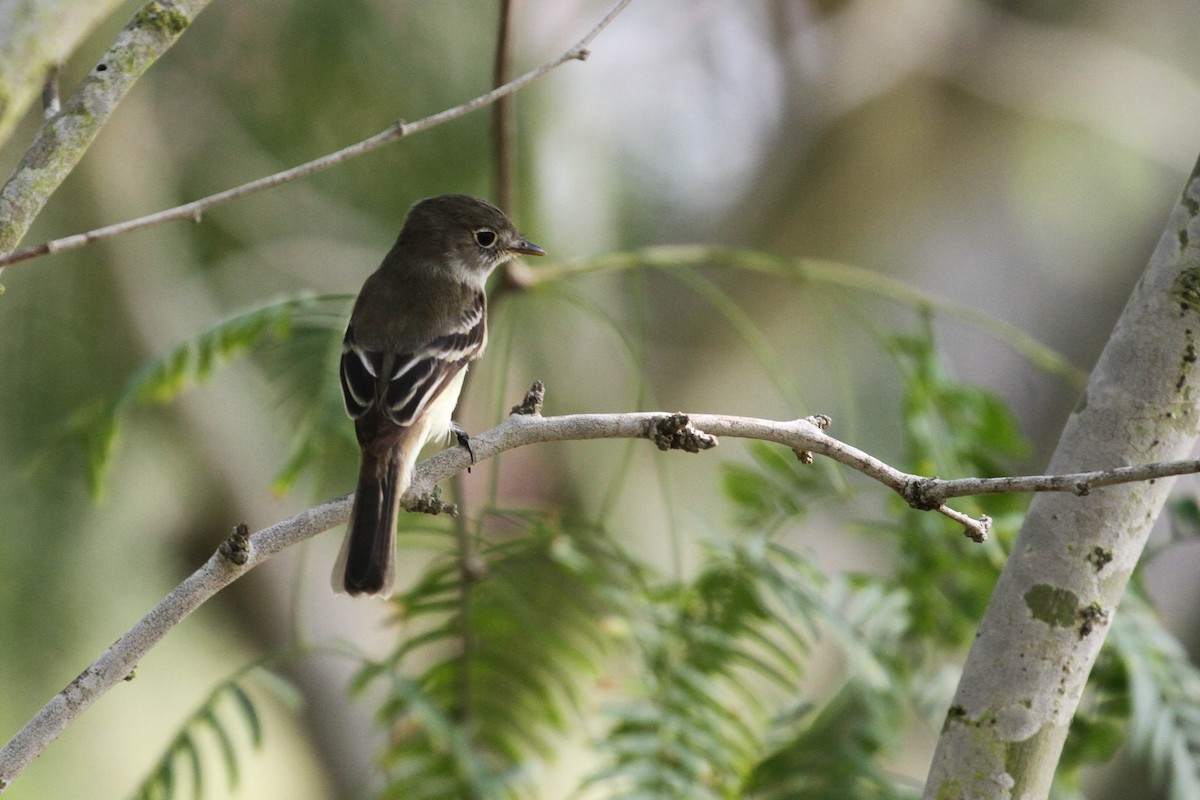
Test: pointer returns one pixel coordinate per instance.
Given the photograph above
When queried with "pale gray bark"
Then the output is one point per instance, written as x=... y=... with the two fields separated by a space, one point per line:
x=35 y=36
x=1054 y=601
x=65 y=136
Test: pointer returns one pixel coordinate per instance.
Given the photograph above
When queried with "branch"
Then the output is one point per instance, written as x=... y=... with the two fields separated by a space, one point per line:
x=194 y=210
x=66 y=135
x=116 y=664
x=829 y=273
x=34 y=37
x=692 y=433
x=936 y=491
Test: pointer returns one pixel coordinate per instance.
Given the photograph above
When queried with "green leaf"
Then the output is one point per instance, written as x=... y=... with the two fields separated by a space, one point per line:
x=191 y=362
x=832 y=752
x=1185 y=517
x=249 y=713
x=184 y=746
x=777 y=488
x=716 y=656
x=1163 y=697
x=225 y=744
x=187 y=747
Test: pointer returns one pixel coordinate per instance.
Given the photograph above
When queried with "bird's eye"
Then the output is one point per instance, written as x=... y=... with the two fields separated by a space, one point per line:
x=485 y=237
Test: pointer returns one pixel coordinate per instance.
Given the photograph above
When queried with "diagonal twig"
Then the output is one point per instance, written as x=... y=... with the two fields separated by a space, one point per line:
x=194 y=210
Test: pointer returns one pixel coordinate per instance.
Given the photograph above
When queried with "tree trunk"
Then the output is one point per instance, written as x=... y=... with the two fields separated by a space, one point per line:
x=1054 y=601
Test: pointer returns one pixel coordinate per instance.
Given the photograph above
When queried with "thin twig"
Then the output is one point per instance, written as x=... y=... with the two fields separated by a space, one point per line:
x=829 y=273
x=194 y=210
x=51 y=102
x=503 y=119
x=693 y=432
x=1078 y=483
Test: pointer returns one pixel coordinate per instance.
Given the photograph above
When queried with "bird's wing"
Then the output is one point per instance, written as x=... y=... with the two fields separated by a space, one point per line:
x=401 y=385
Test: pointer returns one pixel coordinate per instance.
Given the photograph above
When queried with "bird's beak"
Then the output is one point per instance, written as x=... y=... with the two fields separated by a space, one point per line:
x=526 y=248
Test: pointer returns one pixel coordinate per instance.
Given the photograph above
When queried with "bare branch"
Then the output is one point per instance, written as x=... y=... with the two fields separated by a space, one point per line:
x=504 y=123
x=118 y=661
x=830 y=273
x=194 y=210
x=66 y=135
x=525 y=426
x=936 y=490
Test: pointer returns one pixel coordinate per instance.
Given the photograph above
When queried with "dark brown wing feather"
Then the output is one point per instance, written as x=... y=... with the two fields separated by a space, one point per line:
x=391 y=390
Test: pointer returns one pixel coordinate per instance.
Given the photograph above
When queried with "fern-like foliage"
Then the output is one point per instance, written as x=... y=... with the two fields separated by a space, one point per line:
x=303 y=368
x=775 y=488
x=491 y=671
x=722 y=712
x=715 y=655
x=303 y=327
x=1145 y=677
x=213 y=725
x=951 y=428
x=833 y=750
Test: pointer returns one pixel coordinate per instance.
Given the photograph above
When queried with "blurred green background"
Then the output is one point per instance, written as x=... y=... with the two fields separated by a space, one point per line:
x=1016 y=157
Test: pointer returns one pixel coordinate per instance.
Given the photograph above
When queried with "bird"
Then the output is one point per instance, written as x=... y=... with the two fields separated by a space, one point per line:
x=417 y=323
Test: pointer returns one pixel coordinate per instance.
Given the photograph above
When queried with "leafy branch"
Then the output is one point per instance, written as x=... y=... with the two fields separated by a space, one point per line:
x=163 y=379
x=228 y=701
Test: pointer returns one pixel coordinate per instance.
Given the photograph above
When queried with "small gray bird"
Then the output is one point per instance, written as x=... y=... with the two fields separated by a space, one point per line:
x=419 y=319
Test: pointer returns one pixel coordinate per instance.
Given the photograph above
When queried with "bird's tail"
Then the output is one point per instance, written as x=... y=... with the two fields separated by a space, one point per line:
x=364 y=566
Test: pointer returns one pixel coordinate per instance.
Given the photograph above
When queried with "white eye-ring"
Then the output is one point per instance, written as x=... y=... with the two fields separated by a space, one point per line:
x=485 y=237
